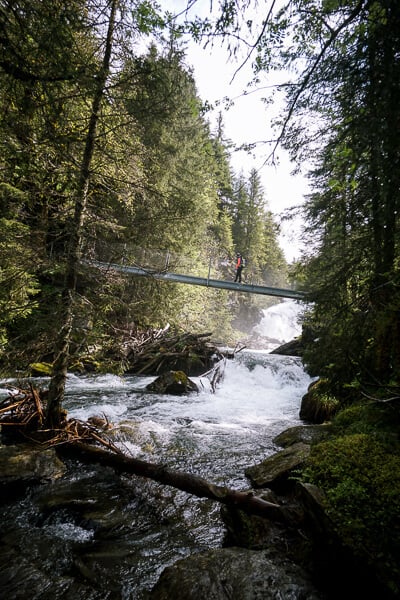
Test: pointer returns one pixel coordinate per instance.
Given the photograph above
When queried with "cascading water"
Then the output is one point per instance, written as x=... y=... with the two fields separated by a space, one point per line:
x=279 y=324
x=119 y=532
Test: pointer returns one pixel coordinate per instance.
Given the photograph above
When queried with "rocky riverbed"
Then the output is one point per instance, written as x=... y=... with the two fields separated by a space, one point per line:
x=99 y=513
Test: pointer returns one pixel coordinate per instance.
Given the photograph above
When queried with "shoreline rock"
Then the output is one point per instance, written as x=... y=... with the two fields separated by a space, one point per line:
x=259 y=557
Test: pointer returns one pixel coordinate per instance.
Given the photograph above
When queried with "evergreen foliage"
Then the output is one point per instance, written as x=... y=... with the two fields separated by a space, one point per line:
x=105 y=154
x=255 y=232
x=342 y=115
x=353 y=212
x=106 y=157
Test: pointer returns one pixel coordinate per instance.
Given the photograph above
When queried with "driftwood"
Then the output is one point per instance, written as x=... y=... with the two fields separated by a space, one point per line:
x=187 y=352
x=22 y=415
x=186 y=482
x=216 y=374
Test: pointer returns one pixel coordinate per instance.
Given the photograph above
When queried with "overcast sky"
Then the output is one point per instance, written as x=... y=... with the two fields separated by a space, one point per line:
x=248 y=120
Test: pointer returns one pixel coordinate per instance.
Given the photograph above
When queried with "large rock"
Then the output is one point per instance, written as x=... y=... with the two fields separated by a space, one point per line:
x=248 y=530
x=23 y=465
x=29 y=463
x=308 y=434
x=318 y=405
x=172 y=382
x=293 y=348
x=274 y=471
x=227 y=573
x=313 y=500
x=22 y=578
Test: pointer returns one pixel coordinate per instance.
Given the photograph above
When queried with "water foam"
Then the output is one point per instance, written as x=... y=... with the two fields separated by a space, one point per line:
x=281 y=322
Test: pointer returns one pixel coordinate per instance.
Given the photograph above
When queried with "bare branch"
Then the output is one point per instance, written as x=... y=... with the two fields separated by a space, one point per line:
x=303 y=85
x=256 y=42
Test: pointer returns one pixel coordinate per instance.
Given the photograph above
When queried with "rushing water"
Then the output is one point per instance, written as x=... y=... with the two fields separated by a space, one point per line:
x=214 y=435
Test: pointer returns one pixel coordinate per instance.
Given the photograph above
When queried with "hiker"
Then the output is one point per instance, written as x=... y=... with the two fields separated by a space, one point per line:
x=239 y=267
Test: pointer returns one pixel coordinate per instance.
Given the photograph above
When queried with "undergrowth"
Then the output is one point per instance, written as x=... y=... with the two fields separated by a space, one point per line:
x=359 y=471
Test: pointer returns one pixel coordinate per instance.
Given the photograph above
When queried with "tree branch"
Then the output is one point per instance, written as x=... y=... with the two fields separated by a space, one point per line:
x=256 y=42
x=311 y=71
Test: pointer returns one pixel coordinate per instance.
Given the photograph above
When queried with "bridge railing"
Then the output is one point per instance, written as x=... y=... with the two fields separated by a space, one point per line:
x=161 y=260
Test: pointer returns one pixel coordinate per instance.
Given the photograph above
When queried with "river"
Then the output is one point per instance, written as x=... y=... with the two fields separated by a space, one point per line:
x=118 y=533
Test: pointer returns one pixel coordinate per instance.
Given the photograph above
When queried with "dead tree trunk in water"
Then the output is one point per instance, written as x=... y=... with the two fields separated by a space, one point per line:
x=23 y=414
x=57 y=383
x=192 y=484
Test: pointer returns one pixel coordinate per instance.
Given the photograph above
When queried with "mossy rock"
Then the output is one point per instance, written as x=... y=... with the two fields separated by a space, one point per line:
x=86 y=365
x=172 y=382
x=276 y=471
x=41 y=369
x=318 y=405
x=308 y=434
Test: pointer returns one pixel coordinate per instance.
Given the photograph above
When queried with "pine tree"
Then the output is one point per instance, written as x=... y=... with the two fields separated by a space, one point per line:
x=255 y=232
x=351 y=84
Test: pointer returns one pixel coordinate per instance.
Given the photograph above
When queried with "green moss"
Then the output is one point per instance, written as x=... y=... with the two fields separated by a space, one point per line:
x=361 y=480
x=86 y=365
x=374 y=418
x=41 y=369
x=180 y=377
x=320 y=402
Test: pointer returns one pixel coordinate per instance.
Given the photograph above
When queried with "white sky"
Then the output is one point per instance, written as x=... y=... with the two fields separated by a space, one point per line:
x=247 y=121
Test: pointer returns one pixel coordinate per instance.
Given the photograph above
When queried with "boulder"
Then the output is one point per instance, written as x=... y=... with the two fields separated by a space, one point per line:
x=172 y=382
x=275 y=471
x=24 y=465
x=293 y=348
x=312 y=498
x=234 y=573
x=308 y=434
x=25 y=462
x=248 y=530
x=289 y=541
x=318 y=405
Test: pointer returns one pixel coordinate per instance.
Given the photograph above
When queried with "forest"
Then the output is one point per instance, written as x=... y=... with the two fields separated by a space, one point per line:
x=107 y=154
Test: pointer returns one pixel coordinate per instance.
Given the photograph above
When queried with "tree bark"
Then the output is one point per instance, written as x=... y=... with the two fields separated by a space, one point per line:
x=186 y=482
x=57 y=383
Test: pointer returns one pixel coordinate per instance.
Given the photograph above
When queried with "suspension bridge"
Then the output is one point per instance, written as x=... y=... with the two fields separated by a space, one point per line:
x=165 y=275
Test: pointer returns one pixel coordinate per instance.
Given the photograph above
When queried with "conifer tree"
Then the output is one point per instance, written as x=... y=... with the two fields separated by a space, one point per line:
x=341 y=115
x=255 y=232
x=59 y=375
x=354 y=209
x=40 y=66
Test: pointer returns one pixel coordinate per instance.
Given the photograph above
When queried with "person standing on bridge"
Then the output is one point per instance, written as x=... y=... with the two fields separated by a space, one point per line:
x=239 y=267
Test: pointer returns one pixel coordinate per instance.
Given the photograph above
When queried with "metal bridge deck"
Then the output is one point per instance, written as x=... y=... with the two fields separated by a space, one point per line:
x=204 y=281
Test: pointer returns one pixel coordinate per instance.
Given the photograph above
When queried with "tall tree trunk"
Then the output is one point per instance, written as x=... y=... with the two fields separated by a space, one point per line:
x=57 y=383
x=385 y=77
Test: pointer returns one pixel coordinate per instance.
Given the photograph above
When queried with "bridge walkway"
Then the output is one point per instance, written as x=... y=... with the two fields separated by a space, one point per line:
x=204 y=281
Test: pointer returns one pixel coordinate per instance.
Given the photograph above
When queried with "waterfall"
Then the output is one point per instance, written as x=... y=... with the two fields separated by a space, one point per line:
x=280 y=324
x=127 y=529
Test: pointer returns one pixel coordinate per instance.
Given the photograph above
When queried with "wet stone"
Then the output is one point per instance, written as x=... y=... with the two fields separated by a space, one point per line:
x=275 y=470
x=234 y=573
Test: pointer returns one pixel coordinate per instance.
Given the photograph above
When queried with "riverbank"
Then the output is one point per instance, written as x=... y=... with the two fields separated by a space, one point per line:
x=255 y=555
x=189 y=433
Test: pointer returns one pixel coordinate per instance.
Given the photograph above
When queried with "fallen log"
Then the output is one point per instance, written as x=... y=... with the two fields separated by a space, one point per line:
x=24 y=414
x=187 y=482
